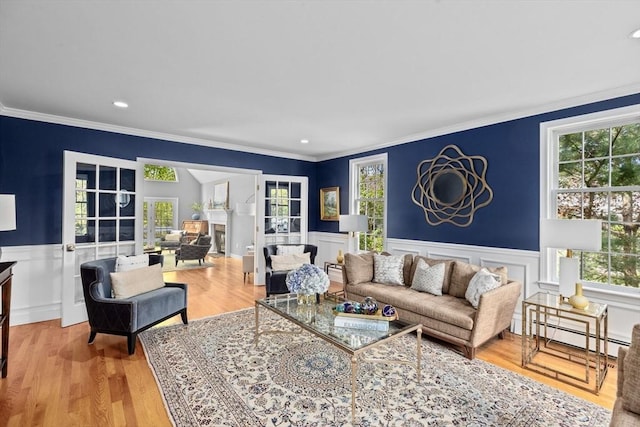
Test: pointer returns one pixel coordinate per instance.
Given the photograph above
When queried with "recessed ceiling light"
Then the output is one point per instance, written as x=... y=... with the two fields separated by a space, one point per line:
x=636 y=34
x=120 y=104
x=304 y=141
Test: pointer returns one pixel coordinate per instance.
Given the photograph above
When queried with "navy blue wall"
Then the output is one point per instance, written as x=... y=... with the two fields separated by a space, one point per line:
x=512 y=150
x=31 y=163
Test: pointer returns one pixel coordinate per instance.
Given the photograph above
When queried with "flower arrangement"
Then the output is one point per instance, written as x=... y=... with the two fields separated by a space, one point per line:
x=308 y=279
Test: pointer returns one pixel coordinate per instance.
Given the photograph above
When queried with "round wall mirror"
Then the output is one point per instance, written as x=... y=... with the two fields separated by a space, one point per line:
x=447 y=187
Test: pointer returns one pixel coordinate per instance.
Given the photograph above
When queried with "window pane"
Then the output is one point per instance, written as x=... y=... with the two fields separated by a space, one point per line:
x=596 y=143
x=107 y=230
x=570 y=147
x=107 y=204
x=625 y=139
x=624 y=270
x=127 y=230
x=570 y=175
x=128 y=180
x=86 y=176
x=596 y=173
x=625 y=171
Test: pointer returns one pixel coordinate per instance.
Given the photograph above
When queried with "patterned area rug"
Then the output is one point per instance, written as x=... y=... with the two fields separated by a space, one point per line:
x=170 y=263
x=211 y=374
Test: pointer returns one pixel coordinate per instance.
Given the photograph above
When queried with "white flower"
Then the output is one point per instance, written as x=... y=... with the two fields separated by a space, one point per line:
x=308 y=279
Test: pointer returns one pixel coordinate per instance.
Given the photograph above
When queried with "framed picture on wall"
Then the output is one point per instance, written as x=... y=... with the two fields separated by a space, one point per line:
x=330 y=203
x=221 y=195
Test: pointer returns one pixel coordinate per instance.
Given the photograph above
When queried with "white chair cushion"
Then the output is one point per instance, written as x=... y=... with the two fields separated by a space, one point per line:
x=126 y=284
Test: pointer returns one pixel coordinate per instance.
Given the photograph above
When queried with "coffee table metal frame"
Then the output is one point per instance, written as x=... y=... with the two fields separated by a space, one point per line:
x=355 y=352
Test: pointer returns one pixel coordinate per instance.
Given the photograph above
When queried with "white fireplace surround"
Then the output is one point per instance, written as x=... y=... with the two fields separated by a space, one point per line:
x=220 y=217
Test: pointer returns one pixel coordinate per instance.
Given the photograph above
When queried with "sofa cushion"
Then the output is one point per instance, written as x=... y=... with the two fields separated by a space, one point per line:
x=388 y=269
x=126 y=263
x=448 y=265
x=631 y=383
x=126 y=284
x=289 y=249
x=481 y=282
x=290 y=262
x=447 y=309
x=428 y=278
x=173 y=237
x=358 y=267
x=462 y=273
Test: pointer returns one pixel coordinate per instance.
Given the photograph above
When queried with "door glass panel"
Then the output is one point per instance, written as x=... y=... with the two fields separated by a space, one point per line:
x=296 y=190
x=295 y=208
x=107 y=230
x=127 y=204
x=127 y=180
x=107 y=205
x=127 y=231
x=86 y=176
x=107 y=178
x=282 y=214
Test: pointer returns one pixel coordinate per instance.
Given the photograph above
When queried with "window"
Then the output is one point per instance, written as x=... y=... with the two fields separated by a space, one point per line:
x=160 y=173
x=283 y=204
x=596 y=175
x=368 y=197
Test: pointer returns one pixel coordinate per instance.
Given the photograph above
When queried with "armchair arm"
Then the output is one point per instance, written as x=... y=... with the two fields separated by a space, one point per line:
x=495 y=312
x=110 y=314
x=622 y=352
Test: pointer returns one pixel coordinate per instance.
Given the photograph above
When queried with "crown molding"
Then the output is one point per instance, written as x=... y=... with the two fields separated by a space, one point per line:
x=87 y=124
x=497 y=118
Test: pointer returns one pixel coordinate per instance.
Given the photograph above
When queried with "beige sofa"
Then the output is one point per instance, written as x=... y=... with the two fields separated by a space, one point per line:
x=449 y=317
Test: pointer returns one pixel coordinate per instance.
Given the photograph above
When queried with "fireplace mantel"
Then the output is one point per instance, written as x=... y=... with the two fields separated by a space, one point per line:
x=220 y=217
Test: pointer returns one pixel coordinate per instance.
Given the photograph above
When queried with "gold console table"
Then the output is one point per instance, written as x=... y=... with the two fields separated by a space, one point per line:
x=537 y=311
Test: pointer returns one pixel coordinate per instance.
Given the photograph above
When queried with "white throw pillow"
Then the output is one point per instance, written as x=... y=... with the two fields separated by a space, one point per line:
x=172 y=237
x=289 y=250
x=483 y=281
x=290 y=262
x=387 y=269
x=428 y=278
x=126 y=284
x=126 y=263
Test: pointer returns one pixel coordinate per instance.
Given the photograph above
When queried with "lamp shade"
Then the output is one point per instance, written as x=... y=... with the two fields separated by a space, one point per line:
x=7 y=212
x=353 y=223
x=574 y=234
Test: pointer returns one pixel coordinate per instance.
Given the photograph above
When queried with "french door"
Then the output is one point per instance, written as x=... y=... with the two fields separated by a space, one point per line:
x=101 y=214
x=159 y=216
x=282 y=205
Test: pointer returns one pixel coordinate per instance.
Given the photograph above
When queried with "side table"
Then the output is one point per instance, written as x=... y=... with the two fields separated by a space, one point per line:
x=327 y=266
x=537 y=310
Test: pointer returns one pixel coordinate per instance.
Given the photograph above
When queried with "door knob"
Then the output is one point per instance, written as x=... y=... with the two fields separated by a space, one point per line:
x=70 y=247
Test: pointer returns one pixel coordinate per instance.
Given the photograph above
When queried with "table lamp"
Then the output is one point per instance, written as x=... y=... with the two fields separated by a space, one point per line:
x=353 y=224
x=570 y=234
x=7 y=213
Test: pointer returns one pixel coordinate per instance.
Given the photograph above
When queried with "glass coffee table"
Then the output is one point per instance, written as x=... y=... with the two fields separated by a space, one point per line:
x=318 y=319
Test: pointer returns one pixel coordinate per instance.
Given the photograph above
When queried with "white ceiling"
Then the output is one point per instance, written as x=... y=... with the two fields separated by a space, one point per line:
x=347 y=75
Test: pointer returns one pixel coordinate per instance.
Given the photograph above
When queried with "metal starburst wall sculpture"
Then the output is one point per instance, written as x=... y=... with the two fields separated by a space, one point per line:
x=451 y=187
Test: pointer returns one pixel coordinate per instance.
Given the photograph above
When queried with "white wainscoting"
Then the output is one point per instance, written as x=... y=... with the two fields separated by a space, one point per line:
x=37 y=282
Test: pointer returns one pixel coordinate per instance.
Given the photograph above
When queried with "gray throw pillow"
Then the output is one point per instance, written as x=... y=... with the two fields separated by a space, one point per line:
x=483 y=281
x=388 y=269
x=428 y=278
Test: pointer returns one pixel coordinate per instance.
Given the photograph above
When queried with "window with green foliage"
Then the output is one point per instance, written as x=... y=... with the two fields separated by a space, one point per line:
x=160 y=173
x=598 y=177
x=369 y=199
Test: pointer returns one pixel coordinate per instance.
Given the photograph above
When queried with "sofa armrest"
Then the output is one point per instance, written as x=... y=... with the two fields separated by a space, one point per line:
x=622 y=352
x=495 y=312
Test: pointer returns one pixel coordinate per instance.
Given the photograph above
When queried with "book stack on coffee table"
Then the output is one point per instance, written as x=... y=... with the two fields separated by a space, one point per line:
x=371 y=322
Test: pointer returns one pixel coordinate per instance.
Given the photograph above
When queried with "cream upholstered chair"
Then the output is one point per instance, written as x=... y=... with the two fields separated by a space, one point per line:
x=626 y=411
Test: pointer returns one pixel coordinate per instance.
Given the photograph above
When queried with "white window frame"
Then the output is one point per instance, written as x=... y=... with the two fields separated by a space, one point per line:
x=549 y=137
x=354 y=165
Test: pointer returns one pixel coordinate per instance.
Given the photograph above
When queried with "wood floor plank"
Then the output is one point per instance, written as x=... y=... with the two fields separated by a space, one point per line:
x=55 y=378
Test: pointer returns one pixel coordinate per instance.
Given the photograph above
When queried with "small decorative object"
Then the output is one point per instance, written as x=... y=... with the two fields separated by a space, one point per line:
x=451 y=187
x=340 y=257
x=388 y=311
x=196 y=207
x=579 y=301
x=369 y=306
x=307 y=280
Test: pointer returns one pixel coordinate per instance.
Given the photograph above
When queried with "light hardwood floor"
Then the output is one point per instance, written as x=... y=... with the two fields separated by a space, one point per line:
x=56 y=379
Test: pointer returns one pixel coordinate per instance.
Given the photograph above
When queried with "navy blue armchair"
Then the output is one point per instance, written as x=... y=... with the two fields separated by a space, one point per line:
x=128 y=316
x=275 y=280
